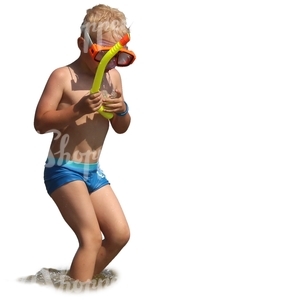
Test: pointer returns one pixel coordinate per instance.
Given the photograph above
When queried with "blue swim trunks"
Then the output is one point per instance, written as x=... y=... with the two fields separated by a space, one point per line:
x=58 y=172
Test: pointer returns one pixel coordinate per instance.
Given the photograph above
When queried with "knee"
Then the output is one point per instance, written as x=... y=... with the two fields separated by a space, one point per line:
x=124 y=237
x=120 y=238
x=92 y=241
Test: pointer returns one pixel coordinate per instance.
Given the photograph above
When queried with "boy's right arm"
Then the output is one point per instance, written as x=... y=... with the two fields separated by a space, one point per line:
x=48 y=118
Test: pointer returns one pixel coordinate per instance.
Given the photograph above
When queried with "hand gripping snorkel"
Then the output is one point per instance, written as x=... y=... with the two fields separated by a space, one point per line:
x=101 y=68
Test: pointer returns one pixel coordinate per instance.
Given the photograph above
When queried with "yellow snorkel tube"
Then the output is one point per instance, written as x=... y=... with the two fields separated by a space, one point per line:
x=101 y=69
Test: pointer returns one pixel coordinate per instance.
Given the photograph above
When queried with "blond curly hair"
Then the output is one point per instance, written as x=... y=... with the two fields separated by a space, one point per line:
x=101 y=19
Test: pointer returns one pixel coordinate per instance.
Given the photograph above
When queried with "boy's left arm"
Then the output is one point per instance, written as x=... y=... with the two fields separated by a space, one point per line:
x=121 y=120
x=120 y=124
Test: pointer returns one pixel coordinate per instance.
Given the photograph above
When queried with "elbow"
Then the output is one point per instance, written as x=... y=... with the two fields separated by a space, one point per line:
x=38 y=127
x=121 y=127
x=120 y=131
x=38 y=130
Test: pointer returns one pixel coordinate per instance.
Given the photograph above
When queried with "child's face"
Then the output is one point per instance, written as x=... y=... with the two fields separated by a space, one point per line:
x=108 y=41
x=92 y=63
x=99 y=48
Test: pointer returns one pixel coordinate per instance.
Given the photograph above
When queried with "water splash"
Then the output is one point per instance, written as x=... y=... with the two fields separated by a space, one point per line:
x=60 y=280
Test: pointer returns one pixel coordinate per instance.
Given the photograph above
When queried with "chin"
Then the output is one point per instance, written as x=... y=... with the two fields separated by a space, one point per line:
x=109 y=68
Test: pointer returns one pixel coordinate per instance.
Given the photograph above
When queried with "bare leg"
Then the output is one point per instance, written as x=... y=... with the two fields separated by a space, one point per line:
x=75 y=205
x=113 y=225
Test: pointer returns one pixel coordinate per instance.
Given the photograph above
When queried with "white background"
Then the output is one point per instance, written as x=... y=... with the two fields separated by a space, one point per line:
x=208 y=174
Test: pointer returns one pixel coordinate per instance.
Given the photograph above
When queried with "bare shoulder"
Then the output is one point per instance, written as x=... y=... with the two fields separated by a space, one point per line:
x=61 y=75
x=54 y=89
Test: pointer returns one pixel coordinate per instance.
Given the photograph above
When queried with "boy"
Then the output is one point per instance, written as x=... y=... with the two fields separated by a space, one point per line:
x=72 y=174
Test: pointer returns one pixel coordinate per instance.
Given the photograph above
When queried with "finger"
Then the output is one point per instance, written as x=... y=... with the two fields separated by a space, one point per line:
x=96 y=99
x=94 y=95
x=115 y=94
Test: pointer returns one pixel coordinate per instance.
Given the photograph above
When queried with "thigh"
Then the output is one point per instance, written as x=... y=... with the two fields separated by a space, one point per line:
x=109 y=212
x=75 y=205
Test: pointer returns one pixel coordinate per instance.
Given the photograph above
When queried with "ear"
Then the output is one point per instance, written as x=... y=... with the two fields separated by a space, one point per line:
x=80 y=43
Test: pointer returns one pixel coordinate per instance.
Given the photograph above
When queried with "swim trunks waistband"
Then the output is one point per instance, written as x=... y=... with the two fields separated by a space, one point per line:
x=70 y=164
